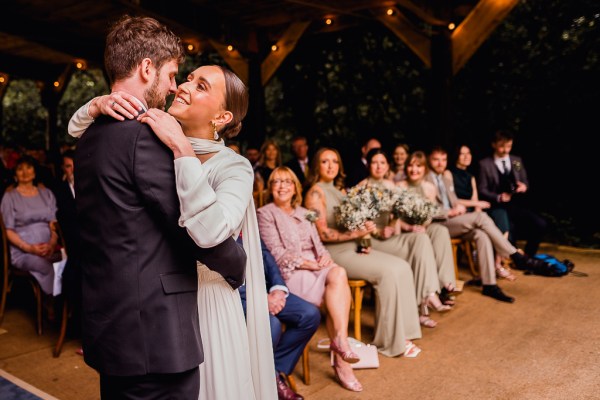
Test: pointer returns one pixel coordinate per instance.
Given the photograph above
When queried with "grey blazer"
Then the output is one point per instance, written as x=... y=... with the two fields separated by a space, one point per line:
x=488 y=182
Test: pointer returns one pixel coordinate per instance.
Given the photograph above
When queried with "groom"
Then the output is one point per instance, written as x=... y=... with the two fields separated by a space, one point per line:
x=140 y=312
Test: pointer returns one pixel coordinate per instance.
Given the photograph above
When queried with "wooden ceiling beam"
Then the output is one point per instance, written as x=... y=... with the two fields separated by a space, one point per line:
x=411 y=35
x=476 y=28
x=76 y=43
x=233 y=58
x=285 y=46
x=20 y=67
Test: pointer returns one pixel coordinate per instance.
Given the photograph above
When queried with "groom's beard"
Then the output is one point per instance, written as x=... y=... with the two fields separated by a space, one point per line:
x=153 y=97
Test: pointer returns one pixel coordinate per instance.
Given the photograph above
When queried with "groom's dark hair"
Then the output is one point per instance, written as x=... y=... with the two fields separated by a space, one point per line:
x=131 y=39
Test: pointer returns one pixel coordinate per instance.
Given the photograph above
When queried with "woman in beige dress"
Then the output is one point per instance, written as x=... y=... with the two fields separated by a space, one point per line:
x=396 y=315
x=415 y=246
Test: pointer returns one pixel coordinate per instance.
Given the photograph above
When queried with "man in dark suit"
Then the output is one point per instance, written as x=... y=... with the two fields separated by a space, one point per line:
x=357 y=169
x=300 y=317
x=66 y=216
x=140 y=313
x=503 y=182
x=299 y=162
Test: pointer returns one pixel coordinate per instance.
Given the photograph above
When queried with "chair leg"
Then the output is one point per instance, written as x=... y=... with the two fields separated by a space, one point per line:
x=305 y=366
x=5 y=289
x=291 y=382
x=63 y=328
x=37 y=293
x=455 y=255
x=469 y=253
x=358 y=299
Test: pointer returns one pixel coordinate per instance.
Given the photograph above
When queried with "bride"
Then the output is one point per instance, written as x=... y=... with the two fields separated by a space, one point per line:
x=214 y=185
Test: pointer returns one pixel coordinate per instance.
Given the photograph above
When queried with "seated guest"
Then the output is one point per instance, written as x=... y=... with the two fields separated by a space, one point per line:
x=270 y=158
x=29 y=214
x=503 y=182
x=400 y=154
x=67 y=220
x=358 y=170
x=477 y=226
x=299 y=162
x=465 y=188
x=416 y=247
x=301 y=321
x=306 y=265
x=396 y=314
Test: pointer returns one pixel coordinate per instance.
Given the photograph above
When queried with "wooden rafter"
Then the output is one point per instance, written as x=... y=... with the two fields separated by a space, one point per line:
x=233 y=58
x=476 y=28
x=402 y=27
x=285 y=46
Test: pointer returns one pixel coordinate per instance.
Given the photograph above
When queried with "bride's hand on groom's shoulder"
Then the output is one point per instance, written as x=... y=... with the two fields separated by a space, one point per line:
x=119 y=105
x=168 y=130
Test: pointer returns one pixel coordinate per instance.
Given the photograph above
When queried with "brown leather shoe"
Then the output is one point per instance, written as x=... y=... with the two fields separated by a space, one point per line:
x=284 y=392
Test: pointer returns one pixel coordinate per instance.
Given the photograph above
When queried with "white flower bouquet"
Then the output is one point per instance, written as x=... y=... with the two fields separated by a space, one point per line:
x=413 y=208
x=362 y=204
x=312 y=215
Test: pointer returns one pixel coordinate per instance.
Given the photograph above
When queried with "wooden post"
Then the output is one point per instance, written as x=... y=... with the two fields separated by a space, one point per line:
x=441 y=90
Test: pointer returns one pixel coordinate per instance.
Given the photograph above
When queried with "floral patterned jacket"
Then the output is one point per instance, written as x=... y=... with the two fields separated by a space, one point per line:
x=283 y=234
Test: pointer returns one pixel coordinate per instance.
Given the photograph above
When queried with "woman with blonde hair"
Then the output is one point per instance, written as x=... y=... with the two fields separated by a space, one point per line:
x=305 y=264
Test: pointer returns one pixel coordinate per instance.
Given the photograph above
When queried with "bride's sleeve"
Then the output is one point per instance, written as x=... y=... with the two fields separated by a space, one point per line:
x=213 y=214
x=80 y=121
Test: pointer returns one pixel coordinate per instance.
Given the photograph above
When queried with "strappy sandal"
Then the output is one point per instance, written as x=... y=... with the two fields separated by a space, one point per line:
x=505 y=273
x=426 y=321
x=411 y=350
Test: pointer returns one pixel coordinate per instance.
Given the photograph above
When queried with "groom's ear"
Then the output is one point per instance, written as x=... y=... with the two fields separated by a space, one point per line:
x=147 y=70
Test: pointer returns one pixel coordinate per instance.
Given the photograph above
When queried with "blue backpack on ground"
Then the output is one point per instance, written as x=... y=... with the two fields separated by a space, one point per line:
x=551 y=266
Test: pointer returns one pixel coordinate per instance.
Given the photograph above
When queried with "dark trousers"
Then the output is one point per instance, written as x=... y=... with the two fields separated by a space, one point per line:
x=301 y=320
x=178 y=386
x=524 y=225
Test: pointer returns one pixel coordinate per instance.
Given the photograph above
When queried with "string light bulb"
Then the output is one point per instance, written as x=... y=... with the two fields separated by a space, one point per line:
x=2 y=79
x=451 y=26
x=190 y=47
x=328 y=21
x=390 y=11
x=274 y=47
x=229 y=47
x=56 y=84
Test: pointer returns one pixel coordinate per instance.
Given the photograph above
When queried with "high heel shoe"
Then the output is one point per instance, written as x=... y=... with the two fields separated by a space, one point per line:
x=434 y=302
x=348 y=356
x=424 y=318
x=354 y=386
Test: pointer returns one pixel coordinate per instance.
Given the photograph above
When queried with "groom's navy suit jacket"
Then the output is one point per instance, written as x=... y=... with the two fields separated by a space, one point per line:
x=140 y=312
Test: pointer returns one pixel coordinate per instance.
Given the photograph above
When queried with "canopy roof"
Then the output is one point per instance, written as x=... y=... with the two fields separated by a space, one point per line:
x=39 y=39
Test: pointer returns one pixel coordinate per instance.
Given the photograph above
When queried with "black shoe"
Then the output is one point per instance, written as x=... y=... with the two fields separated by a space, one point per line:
x=495 y=292
x=526 y=263
x=284 y=392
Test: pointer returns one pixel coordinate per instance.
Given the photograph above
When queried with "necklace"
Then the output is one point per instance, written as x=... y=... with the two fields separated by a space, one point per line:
x=27 y=191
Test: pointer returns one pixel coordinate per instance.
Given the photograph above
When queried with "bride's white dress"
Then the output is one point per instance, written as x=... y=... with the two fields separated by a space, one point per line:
x=216 y=203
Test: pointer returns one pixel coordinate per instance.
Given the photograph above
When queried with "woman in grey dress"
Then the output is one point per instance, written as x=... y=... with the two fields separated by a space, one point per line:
x=29 y=214
x=397 y=318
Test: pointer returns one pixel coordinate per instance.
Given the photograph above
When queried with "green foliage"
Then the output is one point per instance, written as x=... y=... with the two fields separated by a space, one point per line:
x=24 y=118
x=83 y=86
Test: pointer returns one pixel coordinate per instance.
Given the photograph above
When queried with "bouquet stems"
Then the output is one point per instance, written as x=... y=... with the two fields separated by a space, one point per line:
x=363 y=243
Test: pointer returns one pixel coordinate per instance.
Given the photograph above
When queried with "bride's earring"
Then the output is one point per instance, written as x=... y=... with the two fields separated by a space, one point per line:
x=215 y=133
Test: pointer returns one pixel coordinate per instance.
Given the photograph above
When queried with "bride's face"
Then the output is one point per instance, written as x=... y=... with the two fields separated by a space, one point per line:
x=199 y=101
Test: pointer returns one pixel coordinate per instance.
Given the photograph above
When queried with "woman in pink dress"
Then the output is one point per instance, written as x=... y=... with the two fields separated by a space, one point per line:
x=306 y=265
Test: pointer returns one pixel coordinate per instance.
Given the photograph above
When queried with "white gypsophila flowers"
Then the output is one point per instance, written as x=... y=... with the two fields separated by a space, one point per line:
x=413 y=208
x=362 y=204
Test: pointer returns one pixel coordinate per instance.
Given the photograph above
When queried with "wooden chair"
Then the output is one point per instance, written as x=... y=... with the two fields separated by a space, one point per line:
x=9 y=273
x=305 y=371
x=466 y=247
x=357 y=289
